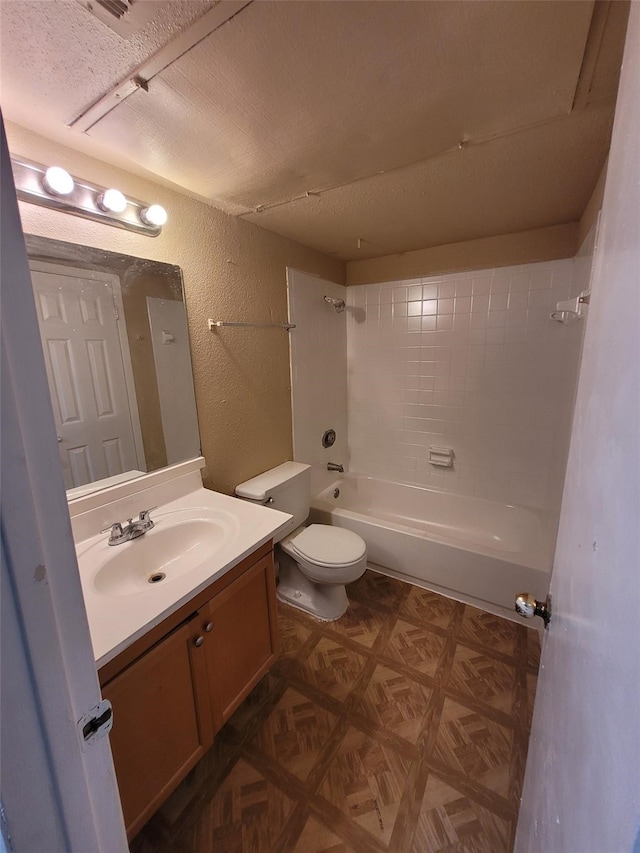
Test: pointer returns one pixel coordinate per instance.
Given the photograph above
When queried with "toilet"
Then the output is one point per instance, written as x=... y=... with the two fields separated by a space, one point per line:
x=316 y=561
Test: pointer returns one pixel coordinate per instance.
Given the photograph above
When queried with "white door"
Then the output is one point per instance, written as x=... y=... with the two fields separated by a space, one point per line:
x=58 y=792
x=81 y=341
x=582 y=782
x=172 y=356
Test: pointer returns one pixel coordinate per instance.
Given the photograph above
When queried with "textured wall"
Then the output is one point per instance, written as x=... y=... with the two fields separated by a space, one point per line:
x=522 y=247
x=232 y=271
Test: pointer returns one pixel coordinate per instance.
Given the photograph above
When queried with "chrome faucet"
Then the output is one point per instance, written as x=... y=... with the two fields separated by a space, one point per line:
x=119 y=534
x=333 y=466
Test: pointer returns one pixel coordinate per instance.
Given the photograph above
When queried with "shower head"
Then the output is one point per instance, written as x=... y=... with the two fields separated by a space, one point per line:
x=338 y=304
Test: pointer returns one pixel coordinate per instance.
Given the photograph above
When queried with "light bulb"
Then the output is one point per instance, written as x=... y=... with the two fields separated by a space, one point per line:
x=112 y=201
x=57 y=181
x=154 y=215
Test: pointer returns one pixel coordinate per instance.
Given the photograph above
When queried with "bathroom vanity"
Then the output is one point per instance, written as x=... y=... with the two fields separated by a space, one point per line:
x=175 y=687
x=182 y=619
x=182 y=614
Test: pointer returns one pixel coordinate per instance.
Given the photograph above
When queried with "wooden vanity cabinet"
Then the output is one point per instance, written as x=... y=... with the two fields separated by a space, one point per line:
x=161 y=724
x=240 y=646
x=175 y=687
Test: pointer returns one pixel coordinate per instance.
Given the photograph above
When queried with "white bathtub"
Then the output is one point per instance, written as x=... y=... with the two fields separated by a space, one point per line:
x=476 y=550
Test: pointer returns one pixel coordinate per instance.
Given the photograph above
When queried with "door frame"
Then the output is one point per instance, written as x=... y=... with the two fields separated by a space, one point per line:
x=113 y=280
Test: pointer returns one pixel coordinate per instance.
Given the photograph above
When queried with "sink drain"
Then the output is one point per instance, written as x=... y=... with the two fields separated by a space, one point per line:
x=157 y=577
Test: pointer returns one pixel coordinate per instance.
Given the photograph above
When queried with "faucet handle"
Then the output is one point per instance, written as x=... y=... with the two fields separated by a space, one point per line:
x=144 y=517
x=118 y=534
x=114 y=529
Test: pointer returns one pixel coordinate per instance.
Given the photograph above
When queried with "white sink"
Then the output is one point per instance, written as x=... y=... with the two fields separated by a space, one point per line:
x=197 y=537
x=180 y=542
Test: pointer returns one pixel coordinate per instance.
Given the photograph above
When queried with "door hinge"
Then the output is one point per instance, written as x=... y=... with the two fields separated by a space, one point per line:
x=115 y=310
x=96 y=724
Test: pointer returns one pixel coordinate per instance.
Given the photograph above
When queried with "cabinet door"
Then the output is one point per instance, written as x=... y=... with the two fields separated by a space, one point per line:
x=161 y=722
x=241 y=643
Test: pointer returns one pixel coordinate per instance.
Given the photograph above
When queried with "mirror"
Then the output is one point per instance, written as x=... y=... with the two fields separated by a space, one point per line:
x=116 y=348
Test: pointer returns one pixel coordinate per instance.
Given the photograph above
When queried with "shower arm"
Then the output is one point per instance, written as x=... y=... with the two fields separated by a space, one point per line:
x=338 y=304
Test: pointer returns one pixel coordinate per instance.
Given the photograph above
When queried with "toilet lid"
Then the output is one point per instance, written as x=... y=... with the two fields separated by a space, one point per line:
x=329 y=546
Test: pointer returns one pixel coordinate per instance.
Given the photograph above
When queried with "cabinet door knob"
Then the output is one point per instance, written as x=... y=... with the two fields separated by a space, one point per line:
x=208 y=627
x=198 y=641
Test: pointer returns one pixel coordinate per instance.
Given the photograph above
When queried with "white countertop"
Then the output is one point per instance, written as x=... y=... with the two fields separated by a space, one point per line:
x=117 y=620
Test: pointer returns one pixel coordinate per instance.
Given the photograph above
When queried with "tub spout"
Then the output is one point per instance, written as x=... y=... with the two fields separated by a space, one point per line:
x=333 y=466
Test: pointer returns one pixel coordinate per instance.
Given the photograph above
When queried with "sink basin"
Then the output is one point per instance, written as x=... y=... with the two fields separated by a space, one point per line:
x=178 y=544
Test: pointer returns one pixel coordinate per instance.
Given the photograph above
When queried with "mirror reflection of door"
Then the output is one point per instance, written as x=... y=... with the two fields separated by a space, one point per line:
x=170 y=340
x=86 y=352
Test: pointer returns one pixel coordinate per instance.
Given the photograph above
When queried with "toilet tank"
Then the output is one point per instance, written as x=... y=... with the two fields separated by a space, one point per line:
x=287 y=488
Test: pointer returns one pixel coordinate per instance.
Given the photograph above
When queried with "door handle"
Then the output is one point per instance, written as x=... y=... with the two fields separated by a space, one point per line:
x=528 y=606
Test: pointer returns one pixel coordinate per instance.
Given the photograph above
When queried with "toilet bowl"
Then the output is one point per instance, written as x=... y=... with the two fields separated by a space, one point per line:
x=315 y=562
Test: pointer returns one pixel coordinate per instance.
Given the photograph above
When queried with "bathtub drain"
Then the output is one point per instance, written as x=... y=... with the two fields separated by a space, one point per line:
x=336 y=493
x=157 y=577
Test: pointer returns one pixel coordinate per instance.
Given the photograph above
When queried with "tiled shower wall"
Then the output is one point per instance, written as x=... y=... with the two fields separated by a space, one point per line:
x=470 y=361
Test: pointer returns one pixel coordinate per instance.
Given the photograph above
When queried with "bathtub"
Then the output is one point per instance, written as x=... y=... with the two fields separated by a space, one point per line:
x=478 y=551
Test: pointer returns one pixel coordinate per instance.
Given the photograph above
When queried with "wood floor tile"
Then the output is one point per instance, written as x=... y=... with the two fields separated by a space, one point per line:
x=264 y=689
x=366 y=781
x=295 y=732
x=474 y=746
x=332 y=668
x=533 y=649
x=317 y=838
x=429 y=607
x=394 y=701
x=485 y=679
x=293 y=633
x=245 y=815
x=380 y=589
x=450 y=821
x=418 y=648
x=360 y=623
x=399 y=728
x=489 y=630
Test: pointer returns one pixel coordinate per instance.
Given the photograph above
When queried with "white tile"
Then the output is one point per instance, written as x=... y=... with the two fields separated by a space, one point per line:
x=498 y=301
x=463 y=288
x=480 y=303
x=446 y=290
x=499 y=383
x=482 y=285
x=445 y=306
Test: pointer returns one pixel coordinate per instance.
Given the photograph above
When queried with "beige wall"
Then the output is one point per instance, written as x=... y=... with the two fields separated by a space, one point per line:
x=232 y=271
x=505 y=250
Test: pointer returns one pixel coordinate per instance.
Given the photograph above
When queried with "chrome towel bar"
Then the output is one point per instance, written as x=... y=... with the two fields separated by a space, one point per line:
x=213 y=324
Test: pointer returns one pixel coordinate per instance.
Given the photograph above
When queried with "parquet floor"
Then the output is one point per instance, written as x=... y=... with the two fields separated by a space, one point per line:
x=401 y=728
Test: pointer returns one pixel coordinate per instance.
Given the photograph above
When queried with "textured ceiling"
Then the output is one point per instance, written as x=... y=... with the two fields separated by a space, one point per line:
x=363 y=105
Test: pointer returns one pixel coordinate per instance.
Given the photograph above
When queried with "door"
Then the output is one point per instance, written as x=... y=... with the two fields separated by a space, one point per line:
x=81 y=341
x=161 y=722
x=172 y=357
x=582 y=783
x=58 y=790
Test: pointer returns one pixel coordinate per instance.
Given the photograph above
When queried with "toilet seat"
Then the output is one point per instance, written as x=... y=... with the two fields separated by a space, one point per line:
x=322 y=545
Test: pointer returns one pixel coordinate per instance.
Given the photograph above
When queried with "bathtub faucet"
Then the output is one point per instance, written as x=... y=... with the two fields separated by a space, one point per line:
x=333 y=466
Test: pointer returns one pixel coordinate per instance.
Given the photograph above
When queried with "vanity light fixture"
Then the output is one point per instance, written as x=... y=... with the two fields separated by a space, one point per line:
x=57 y=181
x=112 y=201
x=54 y=187
x=154 y=215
